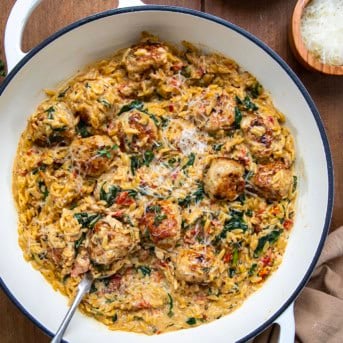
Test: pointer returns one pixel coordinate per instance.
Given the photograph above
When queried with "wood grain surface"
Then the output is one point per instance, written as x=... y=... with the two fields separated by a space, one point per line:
x=266 y=19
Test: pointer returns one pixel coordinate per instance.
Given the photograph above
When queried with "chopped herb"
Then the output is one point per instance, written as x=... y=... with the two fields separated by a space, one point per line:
x=43 y=189
x=2 y=69
x=148 y=156
x=135 y=163
x=171 y=305
x=172 y=161
x=271 y=237
x=249 y=213
x=104 y=102
x=235 y=256
x=87 y=220
x=132 y=193
x=87 y=85
x=136 y=104
x=59 y=129
x=190 y=162
x=114 y=318
x=144 y=270
x=252 y=269
x=295 y=183
x=154 y=208
x=106 y=151
x=238 y=117
x=186 y=71
x=255 y=90
x=217 y=147
x=231 y=272
x=63 y=93
x=42 y=167
x=238 y=100
x=164 y=122
x=110 y=195
x=50 y=112
x=159 y=219
x=191 y=321
x=81 y=129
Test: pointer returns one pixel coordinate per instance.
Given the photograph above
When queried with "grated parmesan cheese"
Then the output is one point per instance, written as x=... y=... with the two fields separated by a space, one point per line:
x=322 y=30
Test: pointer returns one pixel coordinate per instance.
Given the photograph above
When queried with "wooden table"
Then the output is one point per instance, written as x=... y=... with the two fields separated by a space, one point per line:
x=266 y=19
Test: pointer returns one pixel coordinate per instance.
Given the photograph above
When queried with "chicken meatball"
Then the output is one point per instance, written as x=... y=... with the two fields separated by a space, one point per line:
x=197 y=264
x=262 y=135
x=136 y=131
x=213 y=110
x=111 y=240
x=52 y=123
x=92 y=98
x=162 y=220
x=145 y=56
x=273 y=180
x=93 y=155
x=224 y=179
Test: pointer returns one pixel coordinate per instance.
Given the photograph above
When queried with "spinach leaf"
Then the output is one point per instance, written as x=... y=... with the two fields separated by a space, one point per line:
x=42 y=167
x=50 y=112
x=236 y=222
x=81 y=129
x=63 y=93
x=110 y=195
x=238 y=117
x=171 y=305
x=2 y=69
x=249 y=105
x=148 y=156
x=231 y=272
x=255 y=90
x=252 y=269
x=295 y=183
x=87 y=220
x=136 y=104
x=190 y=162
x=114 y=318
x=80 y=240
x=191 y=321
x=196 y=196
x=104 y=102
x=217 y=147
x=185 y=202
x=271 y=237
x=145 y=270
x=135 y=163
x=43 y=189
x=235 y=255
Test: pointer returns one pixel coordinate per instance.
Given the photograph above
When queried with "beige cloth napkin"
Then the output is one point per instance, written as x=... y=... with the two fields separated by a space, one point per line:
x=319 y=307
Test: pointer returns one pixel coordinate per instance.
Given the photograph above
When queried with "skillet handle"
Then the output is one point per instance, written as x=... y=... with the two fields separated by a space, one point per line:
x=16 y=22
x=130 y=3
x=287 y=325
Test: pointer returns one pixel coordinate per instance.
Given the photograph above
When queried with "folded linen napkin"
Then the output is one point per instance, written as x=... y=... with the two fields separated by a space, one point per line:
x=319 y=307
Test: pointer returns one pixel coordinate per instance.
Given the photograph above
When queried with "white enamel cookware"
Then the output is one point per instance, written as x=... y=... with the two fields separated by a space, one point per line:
x=66 y=52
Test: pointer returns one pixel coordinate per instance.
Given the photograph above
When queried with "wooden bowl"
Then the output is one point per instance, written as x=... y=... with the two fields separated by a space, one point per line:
x=304 y=56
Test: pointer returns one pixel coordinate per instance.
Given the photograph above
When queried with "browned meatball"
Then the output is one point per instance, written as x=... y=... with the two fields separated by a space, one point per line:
x=163 y=222
x=213 y=110
x=110 y=241
x=224 y=179
x=197 y=264
x=52 y=123
x=136 y=131
x=262 y=133
x=145 y=56
x=93 y=155
x=273 y=180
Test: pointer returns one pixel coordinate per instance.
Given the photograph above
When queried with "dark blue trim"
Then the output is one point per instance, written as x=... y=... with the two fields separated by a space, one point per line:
x=270 y=52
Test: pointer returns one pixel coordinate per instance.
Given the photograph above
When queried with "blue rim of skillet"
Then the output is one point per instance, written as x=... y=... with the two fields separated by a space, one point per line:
x=284 y=66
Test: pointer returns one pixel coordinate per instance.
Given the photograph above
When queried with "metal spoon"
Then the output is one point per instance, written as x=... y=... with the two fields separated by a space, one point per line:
x=83 y=288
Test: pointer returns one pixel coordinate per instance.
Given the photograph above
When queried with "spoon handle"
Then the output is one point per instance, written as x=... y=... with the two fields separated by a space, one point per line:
x=83 y=288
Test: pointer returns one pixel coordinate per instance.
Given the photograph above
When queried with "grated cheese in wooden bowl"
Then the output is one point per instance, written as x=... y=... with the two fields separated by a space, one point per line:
x=322 y=30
